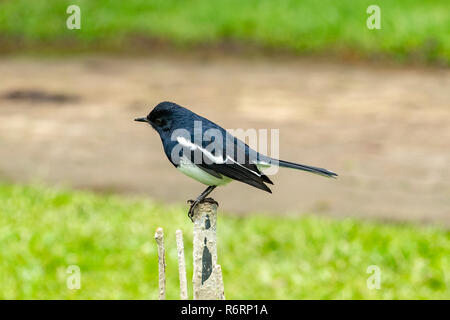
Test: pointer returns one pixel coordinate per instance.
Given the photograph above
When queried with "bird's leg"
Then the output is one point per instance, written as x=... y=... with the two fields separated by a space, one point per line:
x=199 y=199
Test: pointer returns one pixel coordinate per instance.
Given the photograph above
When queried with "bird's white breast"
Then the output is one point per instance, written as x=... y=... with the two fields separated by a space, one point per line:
x=193 y=171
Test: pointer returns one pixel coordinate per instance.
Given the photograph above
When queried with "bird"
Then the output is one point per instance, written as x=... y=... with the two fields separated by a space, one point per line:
x=187 y=139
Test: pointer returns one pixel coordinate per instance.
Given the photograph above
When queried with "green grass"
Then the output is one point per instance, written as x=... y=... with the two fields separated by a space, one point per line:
x=44 y=230
x=411 y=29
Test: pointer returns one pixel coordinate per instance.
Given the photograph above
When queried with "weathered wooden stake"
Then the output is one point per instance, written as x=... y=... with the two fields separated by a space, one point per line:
x=159 y=237
x=205 y=280
x=181 y=265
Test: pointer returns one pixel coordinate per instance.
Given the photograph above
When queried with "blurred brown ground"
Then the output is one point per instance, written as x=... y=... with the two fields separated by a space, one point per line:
x=385 y=130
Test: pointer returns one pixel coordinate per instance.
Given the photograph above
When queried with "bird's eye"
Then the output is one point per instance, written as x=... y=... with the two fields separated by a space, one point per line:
x=158 y=122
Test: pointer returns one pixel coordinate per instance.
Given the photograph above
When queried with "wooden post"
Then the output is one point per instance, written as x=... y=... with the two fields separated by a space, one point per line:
x=205 y=282
x=159 y=237
x=181 y=265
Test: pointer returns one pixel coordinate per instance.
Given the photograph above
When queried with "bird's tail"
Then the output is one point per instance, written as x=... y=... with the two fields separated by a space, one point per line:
x=316 y=170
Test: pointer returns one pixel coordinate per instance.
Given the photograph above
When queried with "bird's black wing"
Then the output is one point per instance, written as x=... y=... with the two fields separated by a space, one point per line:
x=243 y=171
x=220 y=164
x=239 y=172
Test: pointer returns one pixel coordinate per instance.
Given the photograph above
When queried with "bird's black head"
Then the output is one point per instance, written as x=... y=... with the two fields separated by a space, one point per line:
x=161 y=118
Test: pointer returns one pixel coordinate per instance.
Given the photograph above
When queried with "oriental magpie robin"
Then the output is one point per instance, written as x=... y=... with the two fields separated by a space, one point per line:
x=204 y=151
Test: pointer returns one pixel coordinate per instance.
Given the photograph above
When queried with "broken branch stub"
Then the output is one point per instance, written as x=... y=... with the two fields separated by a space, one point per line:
x=181 y=265
x=159 y=237
x=219 y=282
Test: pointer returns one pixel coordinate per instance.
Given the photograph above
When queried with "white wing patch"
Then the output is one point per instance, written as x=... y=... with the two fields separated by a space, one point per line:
x=192 y=146
x=215 y=159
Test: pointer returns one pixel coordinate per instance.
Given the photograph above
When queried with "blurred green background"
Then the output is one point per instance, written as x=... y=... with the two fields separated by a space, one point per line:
x=411 y=30
x=45 y=228
x=111 y=240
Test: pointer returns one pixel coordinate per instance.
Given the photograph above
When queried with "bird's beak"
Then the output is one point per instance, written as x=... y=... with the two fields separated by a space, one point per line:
x=141 y=119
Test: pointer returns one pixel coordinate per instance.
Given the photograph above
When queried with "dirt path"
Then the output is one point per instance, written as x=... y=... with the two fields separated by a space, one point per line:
x=386 y=131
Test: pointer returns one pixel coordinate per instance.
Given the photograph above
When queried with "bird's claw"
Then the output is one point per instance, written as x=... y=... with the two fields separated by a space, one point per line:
x=191 y=209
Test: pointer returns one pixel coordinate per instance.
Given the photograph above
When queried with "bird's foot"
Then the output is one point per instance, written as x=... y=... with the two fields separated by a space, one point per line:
x=193 y=204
